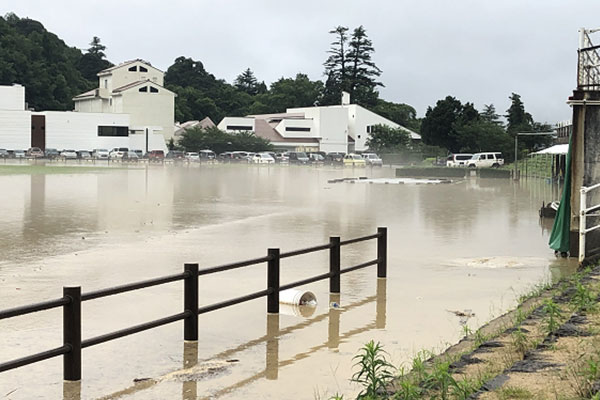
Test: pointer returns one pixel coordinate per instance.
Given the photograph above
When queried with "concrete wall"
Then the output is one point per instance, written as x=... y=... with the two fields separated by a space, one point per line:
x=12 y=97
x=585 y=166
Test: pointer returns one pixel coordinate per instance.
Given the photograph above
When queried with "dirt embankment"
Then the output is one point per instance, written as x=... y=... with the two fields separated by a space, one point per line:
x=547 y=348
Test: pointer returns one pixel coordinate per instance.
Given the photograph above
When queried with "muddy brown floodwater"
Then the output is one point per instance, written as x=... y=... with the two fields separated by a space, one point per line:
x=470 y=246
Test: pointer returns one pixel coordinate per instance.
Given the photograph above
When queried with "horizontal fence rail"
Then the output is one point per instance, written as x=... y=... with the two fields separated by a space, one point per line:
x=72 y=299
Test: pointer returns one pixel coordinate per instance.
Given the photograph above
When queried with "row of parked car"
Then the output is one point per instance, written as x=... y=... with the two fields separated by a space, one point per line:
x=299 y=157
x=126 y=154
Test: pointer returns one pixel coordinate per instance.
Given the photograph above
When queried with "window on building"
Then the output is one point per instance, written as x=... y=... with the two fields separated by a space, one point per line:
x=106 y=84
x=359 y=136
x=113 y=131
x=296 y=129
x=143 y=89
x=143 y=69
x=133 y=69
x=153 y=90
x=369 y=130
x=238 y=128
x=110 y=102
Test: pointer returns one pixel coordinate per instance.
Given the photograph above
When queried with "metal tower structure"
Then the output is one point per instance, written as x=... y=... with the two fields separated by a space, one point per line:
x=588 y=65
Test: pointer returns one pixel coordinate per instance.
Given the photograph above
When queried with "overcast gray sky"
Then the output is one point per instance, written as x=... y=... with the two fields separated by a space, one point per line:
x=476 y=50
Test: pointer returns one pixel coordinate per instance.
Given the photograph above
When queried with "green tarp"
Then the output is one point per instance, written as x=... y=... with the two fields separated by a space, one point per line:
x=559 y=238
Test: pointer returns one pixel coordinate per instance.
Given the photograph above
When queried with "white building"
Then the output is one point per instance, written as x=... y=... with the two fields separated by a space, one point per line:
x=343 y=128
x=130 y=109
x=135 y=88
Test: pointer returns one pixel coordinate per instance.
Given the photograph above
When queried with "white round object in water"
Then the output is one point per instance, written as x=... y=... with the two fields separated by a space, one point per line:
x=297 y=297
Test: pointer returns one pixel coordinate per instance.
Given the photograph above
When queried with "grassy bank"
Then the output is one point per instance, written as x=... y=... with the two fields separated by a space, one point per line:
x=547 y=348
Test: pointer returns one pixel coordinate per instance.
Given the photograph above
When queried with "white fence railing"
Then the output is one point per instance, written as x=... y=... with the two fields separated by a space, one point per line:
x=586 y=211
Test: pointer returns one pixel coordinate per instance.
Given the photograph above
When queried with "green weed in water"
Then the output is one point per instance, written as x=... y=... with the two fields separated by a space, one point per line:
x=375 y=371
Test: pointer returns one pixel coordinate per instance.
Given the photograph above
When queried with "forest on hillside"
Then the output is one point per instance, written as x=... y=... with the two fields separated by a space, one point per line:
x=53 y=73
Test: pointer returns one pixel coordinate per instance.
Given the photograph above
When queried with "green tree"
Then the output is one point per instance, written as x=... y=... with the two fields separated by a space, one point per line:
x=489 y=114
x=385 y=139
x=289 y=93
x=400 y=113
x=350 y=68
x=40 y=61
x=213 y=138
x=336 y=68
x=363 y=71
x=247 y=82
x=438 y=126
x=94 y=60
x=521 y=121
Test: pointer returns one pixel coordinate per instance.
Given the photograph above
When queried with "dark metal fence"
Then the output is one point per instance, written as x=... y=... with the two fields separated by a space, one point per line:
x=72 y=298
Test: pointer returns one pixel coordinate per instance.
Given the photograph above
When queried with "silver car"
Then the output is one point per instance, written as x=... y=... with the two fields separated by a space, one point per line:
x=372 y=159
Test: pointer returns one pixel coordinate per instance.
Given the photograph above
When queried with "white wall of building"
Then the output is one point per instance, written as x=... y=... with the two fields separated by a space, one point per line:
x=121 y=76
x=330 y=125
x=236 y=122
x=79 y=131
x=149 y=108
x=288 y=128
x=15 y=129
x=12 y=97
x=359 y=118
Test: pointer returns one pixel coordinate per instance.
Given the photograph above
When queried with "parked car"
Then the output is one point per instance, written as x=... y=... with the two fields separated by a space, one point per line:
x=130 y=155
x=4 y=153
x=483 y=160
x=335 y=157
x=100 y=154
x=226 y=156
x=263 y=158
x=354 y=160
x=372 y=159
x=192 y=156
x=239 y=155
x=68 y=154
x=173 y=155
x=139 y=153
x=156 y=155
x=282 y=158
x=316 y=158
x=18 y=153
x=35 y=152
x=51 y=153
x=207 y=154
x=298 y=157
x=458 y=160
x=117 y=153
x=84 y=154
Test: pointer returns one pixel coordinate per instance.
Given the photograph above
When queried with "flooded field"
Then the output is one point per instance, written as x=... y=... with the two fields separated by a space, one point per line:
x=472 y=245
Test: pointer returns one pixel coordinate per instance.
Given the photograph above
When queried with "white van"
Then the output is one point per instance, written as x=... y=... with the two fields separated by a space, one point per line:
x=486 y=160
x=458 y=160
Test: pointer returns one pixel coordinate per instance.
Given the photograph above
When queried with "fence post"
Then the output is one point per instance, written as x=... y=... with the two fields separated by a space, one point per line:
x=382 y=252
x=582 y=223
x=190 y=300
x=273 y=282
x=72 y=333
x=334 y=264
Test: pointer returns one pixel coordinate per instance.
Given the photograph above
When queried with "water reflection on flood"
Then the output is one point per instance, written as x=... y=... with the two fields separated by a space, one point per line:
x=474 y=244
